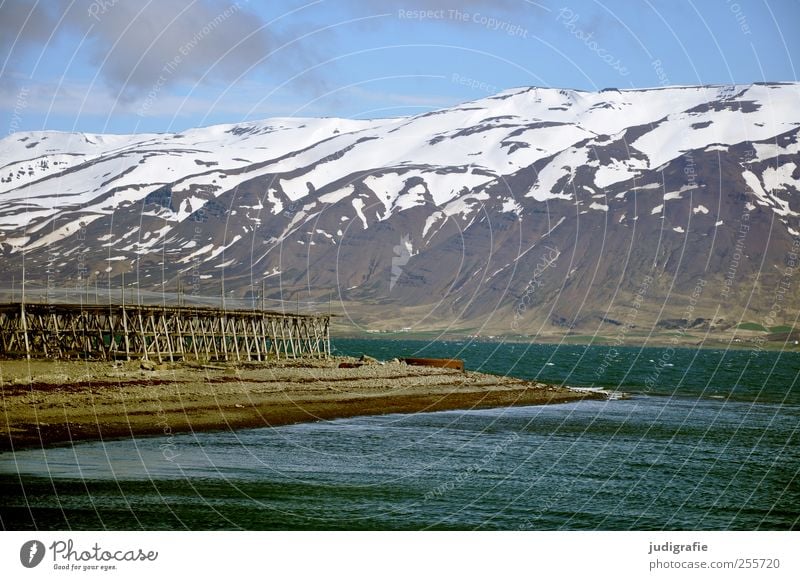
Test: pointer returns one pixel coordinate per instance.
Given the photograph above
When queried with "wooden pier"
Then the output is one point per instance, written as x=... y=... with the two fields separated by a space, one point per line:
x=159 y=333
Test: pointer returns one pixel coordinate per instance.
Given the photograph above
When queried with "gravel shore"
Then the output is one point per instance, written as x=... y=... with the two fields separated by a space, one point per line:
x=47 y=403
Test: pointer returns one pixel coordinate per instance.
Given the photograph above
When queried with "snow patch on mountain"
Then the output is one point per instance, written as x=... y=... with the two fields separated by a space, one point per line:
x=506 y=153
x=358 y=205
x=561 y=170
x=338 y=195
x=780 y=178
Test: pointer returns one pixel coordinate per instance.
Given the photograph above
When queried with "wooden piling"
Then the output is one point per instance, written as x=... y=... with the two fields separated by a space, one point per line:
x=165 y=332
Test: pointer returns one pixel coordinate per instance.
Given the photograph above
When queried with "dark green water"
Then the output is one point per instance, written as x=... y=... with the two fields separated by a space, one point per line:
x=740 y=375
x=711 y=442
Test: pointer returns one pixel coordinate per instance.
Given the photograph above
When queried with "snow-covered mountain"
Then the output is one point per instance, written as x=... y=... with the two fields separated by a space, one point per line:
x=531 y=209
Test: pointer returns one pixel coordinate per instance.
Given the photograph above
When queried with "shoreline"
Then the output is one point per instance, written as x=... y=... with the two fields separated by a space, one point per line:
x=52 y=403
x=658 y=342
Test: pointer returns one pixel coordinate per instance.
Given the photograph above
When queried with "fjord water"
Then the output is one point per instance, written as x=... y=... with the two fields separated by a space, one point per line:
x=707 y=440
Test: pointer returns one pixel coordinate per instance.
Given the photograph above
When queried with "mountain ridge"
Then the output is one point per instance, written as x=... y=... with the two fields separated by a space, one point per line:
x=442 y=218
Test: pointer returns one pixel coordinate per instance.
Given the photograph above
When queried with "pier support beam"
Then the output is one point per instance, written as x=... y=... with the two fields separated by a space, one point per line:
x=172 y=332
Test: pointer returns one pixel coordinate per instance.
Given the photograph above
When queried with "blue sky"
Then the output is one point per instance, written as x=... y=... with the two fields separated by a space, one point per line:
x=153 y=66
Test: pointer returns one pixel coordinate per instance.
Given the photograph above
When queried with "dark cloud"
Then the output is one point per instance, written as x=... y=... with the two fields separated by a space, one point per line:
x=24 y=26
x=136 y=46
x=139 y=46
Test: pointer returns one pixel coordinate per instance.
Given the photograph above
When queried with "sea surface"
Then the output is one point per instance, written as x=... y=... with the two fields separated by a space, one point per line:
x=703 y=440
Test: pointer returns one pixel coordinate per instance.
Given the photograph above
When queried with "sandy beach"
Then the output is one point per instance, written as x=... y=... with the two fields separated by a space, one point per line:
x=47 y=403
